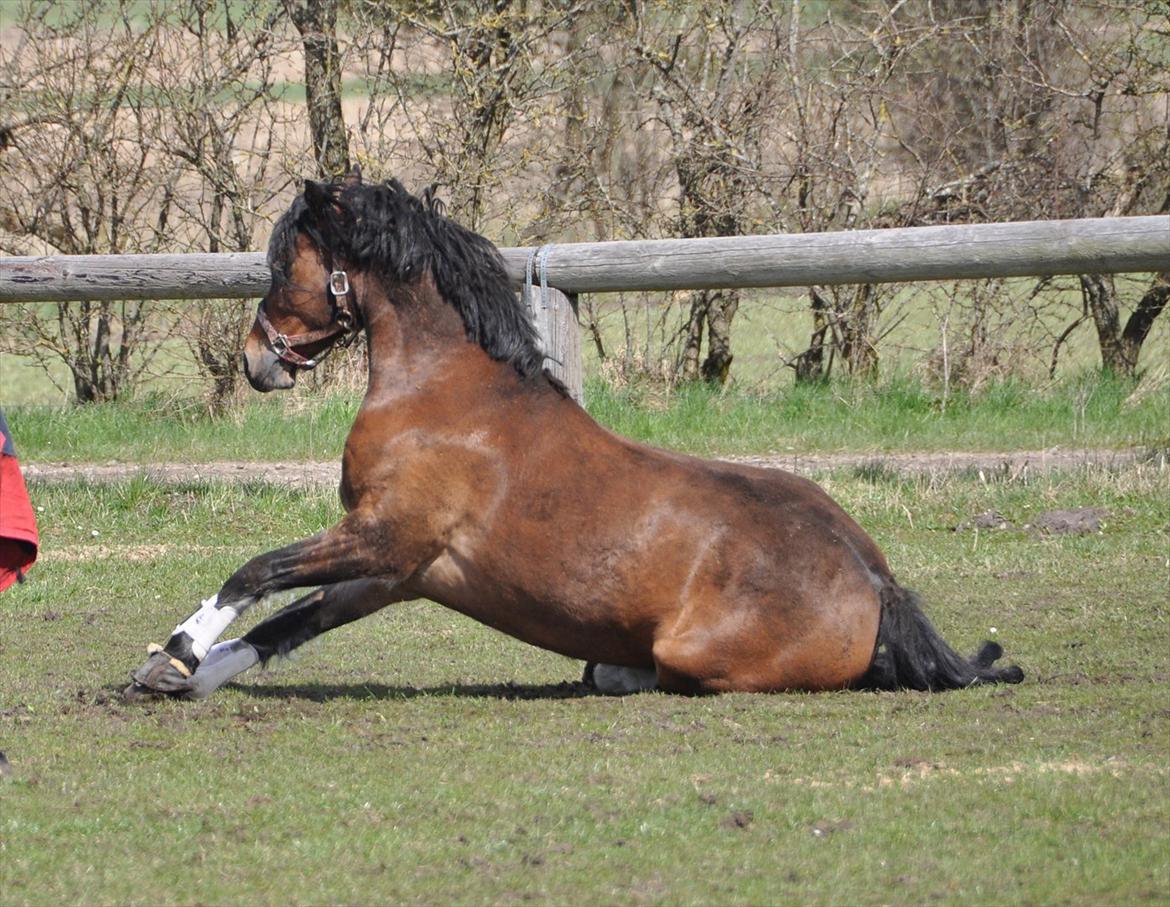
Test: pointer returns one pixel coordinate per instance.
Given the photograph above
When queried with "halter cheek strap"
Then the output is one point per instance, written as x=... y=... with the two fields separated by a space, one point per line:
x=343 y=323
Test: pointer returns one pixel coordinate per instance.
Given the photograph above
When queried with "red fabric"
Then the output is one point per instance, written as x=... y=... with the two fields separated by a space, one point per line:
x=18 y=524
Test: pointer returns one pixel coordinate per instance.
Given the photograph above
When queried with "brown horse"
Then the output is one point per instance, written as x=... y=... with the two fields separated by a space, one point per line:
x=470 y=478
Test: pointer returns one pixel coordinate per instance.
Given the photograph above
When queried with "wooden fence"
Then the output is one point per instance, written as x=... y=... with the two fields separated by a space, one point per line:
x=1034 y=248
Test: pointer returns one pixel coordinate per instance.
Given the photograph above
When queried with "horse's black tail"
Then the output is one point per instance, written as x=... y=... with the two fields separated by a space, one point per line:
x=910 y=654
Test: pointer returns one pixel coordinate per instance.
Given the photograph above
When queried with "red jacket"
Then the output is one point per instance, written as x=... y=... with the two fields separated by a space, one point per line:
x=18 y=525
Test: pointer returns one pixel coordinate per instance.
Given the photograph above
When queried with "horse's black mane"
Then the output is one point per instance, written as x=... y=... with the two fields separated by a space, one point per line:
x=383 y=228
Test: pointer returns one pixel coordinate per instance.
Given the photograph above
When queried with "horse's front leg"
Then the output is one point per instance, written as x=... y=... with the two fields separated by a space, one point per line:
x=293 y=625
x=357 y=547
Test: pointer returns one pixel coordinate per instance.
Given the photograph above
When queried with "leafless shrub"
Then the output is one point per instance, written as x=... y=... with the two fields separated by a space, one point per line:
x=216 y=80
x=151 y=127
x=136 y=129
x=81 y=177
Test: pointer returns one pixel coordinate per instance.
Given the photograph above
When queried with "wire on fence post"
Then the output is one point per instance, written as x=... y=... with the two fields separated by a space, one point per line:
x=538 y=260
x=554 y=346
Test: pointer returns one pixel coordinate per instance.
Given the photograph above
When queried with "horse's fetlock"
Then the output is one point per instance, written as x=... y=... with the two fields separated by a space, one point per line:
x=203 y=627
x=179 y=646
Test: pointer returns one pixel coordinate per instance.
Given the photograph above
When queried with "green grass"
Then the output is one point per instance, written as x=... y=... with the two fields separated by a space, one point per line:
x=899 y=414
x=417 y=757
x=890 y=416
x=158 y=430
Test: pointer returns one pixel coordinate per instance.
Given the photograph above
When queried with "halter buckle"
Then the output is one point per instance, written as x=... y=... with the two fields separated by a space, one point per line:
x=284 y=350
x=339 y=283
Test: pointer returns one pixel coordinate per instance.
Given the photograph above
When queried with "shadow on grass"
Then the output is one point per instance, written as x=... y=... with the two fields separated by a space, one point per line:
x=324 y=692
x=373 y=692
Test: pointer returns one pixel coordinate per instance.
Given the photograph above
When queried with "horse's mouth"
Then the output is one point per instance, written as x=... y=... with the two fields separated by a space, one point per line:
x=266 y=372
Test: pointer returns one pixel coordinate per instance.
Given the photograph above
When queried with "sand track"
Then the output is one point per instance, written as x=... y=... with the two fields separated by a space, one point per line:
x=994 y=464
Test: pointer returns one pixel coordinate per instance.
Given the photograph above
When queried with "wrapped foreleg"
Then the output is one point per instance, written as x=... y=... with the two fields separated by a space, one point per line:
x=223 y=662
x=205 y=626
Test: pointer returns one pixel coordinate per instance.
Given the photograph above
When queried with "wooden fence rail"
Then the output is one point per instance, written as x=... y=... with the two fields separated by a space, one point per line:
x=1110 y=245
x=1034 y=248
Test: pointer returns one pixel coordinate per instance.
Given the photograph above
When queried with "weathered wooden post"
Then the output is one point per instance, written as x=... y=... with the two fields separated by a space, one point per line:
x=555 y=316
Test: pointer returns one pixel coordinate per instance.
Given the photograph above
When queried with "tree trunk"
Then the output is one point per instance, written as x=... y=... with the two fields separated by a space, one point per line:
x=720 y=312
x=1137 y=328
x=1101 y=301
x=858 y=347
x=693 y=342
x=810 y=365
x=1122 y=347
x=316 y=20
x=847 y=317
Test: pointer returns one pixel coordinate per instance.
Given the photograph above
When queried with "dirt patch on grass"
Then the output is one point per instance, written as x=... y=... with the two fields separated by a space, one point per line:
x=135 y=553
x=1077 y=521
x=906 y=772
x=301 y=475
x=991 y=464
x=82 y=553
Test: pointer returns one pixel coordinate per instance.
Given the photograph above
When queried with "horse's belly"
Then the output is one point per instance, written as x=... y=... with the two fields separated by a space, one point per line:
x=563 y=627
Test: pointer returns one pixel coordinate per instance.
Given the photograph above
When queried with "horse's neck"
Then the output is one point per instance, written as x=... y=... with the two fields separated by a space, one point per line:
x=414 y=340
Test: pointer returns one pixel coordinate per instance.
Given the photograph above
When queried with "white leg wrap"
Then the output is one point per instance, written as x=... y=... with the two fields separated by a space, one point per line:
x=618 y=679
x=205 y=625
x=223 y=662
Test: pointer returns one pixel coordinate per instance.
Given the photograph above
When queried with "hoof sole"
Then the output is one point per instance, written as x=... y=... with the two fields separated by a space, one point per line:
x=138 y=693
x=157 y=677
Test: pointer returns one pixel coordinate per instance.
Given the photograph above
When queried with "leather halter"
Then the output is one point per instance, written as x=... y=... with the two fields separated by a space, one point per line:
x=344 y=322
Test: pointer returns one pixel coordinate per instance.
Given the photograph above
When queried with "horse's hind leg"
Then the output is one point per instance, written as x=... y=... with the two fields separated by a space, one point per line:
x=721 y=654
x=290 y=627
x=617 y=680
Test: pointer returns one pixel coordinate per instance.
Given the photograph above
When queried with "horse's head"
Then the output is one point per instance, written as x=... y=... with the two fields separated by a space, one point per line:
x=310 y=305
x=390 y=241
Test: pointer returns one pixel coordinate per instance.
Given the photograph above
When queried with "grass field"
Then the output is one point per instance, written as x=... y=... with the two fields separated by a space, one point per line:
x=894 y=415
x=417 y=757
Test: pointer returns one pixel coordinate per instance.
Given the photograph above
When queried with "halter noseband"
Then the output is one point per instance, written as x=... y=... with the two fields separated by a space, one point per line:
x=344 y=322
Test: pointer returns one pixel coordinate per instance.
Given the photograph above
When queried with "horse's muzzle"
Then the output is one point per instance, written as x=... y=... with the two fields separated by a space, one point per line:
x=265 y=370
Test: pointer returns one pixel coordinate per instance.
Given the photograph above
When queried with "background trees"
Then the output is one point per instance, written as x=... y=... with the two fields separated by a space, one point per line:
x=185 y=125
x=137 y=129
x=80 y=178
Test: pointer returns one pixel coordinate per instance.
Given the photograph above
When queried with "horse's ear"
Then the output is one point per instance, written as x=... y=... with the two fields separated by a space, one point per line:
x=431 y=200
x=317 y=196
x=354 y=177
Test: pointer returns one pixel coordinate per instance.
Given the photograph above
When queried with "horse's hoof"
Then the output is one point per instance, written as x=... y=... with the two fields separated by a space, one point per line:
x=136 y=693
x=158 y=676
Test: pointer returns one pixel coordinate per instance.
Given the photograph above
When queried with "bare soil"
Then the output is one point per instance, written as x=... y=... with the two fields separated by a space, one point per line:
x=994 y=464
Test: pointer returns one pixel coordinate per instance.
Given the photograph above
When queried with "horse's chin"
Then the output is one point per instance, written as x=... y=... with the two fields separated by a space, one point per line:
x=267 y=372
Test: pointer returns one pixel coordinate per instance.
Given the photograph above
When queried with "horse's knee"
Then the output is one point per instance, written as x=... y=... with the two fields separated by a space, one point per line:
x=683 y=667
x=245 y=587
